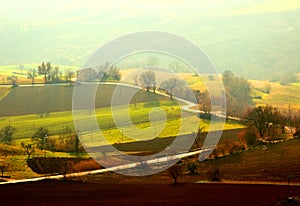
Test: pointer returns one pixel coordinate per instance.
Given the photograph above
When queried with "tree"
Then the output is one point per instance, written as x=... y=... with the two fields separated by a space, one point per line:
x=174 y=172
x=260 y=117
x=3 y=166
x=31 y=75
x=45 y=69
x=76 y=144
x=192 y=167
x=13 y=80
x=249 y=137
x=28 y=148
x=7 y=133
x=171 y=85
x=54 y=74
x=147 y=80
x=204 y=101
x=237 y=94
x=296 y=124
x=113 y=73
x=200 y=136
x=69 y=75
x=40 y=137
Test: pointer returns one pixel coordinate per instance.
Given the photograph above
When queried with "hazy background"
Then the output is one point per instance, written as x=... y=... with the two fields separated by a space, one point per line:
x=253 y=38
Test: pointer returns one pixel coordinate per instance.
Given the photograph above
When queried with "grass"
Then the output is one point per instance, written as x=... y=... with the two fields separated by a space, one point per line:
x=27 y=125
x=278 y=162
x=280 y=96
x=54 y=98
x=14 y=158
x=4 y=91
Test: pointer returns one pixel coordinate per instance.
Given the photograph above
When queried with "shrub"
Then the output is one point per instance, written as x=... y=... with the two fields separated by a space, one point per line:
x=214 y=173
x=249 y=137
x=192 y=166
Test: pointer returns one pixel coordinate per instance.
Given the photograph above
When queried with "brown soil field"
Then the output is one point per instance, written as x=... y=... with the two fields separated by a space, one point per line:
x=79 y=193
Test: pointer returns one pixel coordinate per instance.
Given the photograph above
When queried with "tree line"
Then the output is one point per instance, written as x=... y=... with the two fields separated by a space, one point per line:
x=42 y=139
x=49 y=73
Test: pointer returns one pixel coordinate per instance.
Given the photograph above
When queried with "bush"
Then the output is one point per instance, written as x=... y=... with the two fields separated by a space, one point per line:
x=192 y=166
x=249 y=137
x=236 y=147
x=214 y=174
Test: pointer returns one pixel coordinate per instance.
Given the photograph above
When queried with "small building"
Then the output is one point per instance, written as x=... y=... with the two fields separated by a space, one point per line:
x=87 y=74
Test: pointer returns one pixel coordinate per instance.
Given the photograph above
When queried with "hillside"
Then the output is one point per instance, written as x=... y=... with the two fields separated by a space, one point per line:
x=53 y=98
x=281 y=96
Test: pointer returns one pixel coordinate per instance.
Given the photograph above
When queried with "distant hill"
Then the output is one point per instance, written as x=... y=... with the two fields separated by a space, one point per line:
x=47 y=99
x=254 y=38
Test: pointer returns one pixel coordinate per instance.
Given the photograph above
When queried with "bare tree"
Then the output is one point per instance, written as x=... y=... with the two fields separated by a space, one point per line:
x=31 y=75
x=174 y=172
x=237 y=91
x=147 y=80
x=28 y=148
x=171 y=85
x=45 y=69
x=259 y=118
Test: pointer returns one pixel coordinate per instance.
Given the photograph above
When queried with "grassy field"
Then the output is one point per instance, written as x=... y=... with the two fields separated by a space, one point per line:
x=3 y=92
x=14 y=155
x=14 y=158
x=26 y=125
x=53 y=98
x=280 y=96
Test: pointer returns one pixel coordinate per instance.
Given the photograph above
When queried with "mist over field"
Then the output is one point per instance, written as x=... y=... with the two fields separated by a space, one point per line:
x=252 y=38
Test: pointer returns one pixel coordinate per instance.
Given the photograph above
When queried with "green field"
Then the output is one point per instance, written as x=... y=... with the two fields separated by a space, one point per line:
x=27 y=125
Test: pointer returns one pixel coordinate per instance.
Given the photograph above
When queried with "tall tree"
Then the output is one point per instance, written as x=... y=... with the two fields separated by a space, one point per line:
x=54 y=74
x=237 y=94
x=45 y=69
x=260 y=118
x=147 y=80
x=7 y=133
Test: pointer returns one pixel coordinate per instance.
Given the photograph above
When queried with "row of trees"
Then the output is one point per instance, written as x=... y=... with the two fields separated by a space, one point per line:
x=172 y=87
x=67 y=141
x=270 y=121
x=50 y=74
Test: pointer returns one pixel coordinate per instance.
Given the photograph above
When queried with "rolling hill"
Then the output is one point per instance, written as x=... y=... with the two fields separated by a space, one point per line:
x=54 y=98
